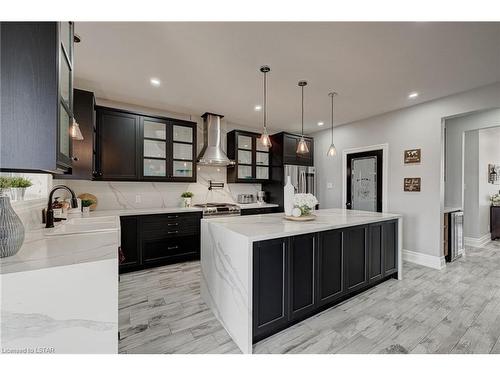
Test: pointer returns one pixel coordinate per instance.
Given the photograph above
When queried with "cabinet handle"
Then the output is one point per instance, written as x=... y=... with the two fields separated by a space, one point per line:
x=173 y=224
x=173 y=217
x=172 y=247
x=173 y=232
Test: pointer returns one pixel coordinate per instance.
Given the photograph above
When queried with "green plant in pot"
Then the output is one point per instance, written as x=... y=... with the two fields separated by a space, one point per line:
x=86 y=203
x=186 y=199
x=19 y=186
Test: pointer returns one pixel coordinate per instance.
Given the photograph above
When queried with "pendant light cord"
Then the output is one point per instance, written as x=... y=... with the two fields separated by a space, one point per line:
x=302 y=111
x=332 y=119
x=265 y=101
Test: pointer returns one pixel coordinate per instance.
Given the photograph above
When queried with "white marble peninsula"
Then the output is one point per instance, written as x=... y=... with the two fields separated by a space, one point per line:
x=228 y=266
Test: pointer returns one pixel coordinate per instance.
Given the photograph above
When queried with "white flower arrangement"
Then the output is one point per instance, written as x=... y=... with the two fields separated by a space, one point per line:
x=495 y=199
x=305 y=202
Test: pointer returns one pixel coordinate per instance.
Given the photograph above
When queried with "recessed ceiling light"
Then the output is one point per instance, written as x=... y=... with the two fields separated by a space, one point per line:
x=412 y=95
x=321 y=123
x=155 y=82
x=257 y=108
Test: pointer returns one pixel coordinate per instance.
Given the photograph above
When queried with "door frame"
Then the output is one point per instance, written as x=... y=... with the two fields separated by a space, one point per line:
x=385 y=171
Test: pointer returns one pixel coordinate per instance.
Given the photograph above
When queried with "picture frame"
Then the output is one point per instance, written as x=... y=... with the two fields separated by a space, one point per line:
x=412 y=184
x=413 y=156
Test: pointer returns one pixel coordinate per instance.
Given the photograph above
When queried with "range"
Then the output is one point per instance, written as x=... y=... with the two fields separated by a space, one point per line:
x=219 y=209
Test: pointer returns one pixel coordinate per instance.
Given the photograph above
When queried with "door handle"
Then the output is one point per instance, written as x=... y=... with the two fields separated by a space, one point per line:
x=348 y=205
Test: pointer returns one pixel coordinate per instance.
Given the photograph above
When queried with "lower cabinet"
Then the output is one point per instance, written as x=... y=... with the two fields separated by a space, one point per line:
x=154 y=240
x=270 y=287
x=259 y=211
x=296 y=277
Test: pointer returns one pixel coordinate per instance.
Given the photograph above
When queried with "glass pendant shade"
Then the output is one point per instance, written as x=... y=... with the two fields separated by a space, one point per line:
x=265 y=140
x=76 y=133
x=332 y=151
x=302 y=147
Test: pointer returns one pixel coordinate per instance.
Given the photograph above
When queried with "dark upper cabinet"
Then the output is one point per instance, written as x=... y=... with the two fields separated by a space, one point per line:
x=251 y=158
x=302 y=275
x=376 y=252
x=118 y=134
x=270 y=287
x=284 y=150
x=329 y=266
x=36 y=96
x=390 y=246
x=135 y=147
x=356 y=259
x=83 y=150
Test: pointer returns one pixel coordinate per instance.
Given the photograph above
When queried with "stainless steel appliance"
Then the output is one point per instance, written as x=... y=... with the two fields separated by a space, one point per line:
x=219 y=209
x=303 y=178
x=456 y=235
x=246 y=198
x=261 y=196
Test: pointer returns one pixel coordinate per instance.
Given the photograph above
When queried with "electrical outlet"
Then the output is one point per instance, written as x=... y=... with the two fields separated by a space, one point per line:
x=137 y=198
x=329 y=185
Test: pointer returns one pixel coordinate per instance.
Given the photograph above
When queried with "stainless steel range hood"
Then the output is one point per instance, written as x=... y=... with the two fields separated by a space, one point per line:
x=212 y=153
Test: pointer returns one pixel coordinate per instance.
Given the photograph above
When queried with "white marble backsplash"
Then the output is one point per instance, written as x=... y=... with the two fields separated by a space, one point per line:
x=113 y=195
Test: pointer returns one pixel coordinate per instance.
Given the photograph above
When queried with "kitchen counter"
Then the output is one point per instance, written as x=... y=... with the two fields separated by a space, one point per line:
x=447 y=210
x=229 y=261
x=245 y=206
x=143 y=211
x=60 y=292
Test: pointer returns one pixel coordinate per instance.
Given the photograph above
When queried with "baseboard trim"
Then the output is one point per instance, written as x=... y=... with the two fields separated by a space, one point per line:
x=477 y=242
x=426 y=260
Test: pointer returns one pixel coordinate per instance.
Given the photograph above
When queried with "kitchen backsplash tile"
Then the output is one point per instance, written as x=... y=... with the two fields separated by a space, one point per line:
x=126 y=195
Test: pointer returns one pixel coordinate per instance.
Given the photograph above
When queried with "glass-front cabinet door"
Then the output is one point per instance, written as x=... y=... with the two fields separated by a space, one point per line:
x=250 y=156
x=154 y=148
x=182 y=151
x=64 y=140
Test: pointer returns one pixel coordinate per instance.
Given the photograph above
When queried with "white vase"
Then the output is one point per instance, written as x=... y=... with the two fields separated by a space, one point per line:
x=288 y=193
x=186 y=202
x=85 y=211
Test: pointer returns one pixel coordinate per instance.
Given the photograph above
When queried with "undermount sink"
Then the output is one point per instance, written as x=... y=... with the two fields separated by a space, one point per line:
x=84 y=225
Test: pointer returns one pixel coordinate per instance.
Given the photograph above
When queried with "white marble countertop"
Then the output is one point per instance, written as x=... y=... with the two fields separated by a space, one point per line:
x=40 y=251
x=451 y=209
x=244 y=206
x=142 y=211
x=264 y=227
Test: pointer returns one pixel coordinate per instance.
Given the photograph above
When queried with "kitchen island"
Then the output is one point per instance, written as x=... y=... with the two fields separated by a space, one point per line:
x=262 y=273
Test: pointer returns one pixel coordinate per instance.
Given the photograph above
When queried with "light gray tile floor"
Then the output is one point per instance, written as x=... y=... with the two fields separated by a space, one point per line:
x=455 y=310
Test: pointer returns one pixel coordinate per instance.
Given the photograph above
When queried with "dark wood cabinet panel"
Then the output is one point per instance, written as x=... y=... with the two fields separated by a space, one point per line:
x=258 y=211
x=302 y=284
x=375 y=254
x=495 y=222
x=118 y=138
x=29 y=96
x=355 y=251
x=270 y=287
x=284 y=150
x=329 y=266
x=390 y=243
x=129 y=243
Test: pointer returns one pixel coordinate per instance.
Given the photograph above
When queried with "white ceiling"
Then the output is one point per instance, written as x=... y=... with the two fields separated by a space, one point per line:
x=215 y=66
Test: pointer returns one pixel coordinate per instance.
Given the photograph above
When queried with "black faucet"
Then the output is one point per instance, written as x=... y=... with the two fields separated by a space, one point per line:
x=49 y=215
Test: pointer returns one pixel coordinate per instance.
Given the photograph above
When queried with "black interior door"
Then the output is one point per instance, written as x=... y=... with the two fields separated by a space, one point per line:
x=359 y=197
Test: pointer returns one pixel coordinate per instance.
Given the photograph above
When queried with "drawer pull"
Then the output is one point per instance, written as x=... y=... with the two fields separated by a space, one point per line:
x=173 y=217
x=172 y=247
x=173 y=232
x=173 y=224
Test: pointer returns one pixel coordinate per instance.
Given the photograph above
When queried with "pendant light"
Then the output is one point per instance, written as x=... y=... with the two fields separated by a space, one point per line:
x=76 y=133
x=332 y=151
x=264 y=139
x=302 y=146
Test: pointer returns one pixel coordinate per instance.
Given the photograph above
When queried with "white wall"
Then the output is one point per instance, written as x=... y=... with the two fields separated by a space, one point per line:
x=471 y=183
x=455 y=128
x=419 y=126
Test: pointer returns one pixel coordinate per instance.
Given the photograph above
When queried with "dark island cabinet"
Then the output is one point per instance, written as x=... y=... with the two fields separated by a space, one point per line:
x=259 y=211
x=302 y=275
x=270 y=287
x=155 y=240
x=297 y=277
x=329 y=266
x=495 y=222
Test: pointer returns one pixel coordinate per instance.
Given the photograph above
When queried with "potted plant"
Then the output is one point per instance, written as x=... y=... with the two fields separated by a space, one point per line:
x=86 y=203
x=186 y=199
x=303 y=204
x=19 y=186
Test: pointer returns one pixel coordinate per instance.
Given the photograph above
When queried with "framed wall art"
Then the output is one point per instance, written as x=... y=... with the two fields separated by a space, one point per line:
x=413 y=156
x=412 y=184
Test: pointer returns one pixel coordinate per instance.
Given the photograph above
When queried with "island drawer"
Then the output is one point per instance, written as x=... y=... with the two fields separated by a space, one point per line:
x=171 y=250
